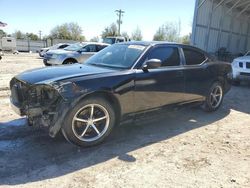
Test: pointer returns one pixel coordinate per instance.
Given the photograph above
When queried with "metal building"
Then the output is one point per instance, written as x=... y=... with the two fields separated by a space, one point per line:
x=221 y=24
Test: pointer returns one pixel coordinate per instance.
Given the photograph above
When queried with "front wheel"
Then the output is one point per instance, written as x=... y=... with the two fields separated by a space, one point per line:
x=214 y=97
x=89 y=122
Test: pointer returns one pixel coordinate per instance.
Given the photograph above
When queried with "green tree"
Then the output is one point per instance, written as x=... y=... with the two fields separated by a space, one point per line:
x=186 y=39
x=110 y=31
x=68 y=31
x=94 y=39
x=125 y=34
x=19 y=35
x=2 y=33
x=168 y=32
x=32 y=36
x=136 y=34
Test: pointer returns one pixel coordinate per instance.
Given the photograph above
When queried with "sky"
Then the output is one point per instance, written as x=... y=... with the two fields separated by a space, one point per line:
x=93 y=16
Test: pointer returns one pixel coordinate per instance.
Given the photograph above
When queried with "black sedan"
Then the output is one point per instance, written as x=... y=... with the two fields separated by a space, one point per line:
x=85 y=101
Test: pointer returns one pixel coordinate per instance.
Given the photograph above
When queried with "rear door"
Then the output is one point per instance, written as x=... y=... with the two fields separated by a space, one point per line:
x=196 y=73
x=161 y=86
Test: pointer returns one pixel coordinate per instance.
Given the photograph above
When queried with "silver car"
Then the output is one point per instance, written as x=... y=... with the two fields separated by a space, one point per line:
x=75 y=53
x=42 y=51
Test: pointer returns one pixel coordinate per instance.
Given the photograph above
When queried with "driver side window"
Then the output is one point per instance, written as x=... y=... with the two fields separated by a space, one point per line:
x=168 y=55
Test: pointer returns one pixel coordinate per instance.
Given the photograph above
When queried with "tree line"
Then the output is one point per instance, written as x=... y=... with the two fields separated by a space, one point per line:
x=170 y=31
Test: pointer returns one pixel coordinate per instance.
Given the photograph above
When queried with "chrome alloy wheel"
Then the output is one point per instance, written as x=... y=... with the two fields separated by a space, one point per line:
x=216 y=96
x=90 y=122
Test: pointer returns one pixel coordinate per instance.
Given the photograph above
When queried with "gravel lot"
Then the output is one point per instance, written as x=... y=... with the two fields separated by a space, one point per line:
x=183 y=147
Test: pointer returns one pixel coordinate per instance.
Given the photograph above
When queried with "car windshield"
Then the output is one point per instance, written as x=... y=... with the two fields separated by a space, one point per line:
x=75 y=47
x=121 y=56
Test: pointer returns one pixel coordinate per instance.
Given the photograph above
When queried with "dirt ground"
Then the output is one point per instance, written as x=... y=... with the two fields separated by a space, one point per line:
x=183 y=147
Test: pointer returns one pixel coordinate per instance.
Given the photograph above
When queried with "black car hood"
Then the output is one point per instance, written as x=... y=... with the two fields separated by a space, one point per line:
x=57 y=73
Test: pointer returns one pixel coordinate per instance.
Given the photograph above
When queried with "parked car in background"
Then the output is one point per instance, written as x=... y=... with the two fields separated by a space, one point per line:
x=113 y=40
x=85 y=101
x=75 y=53
x=54 y=47
x=241 y=69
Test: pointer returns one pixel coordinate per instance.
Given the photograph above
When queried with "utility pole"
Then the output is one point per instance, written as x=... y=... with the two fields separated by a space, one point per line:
x=40 y=34
x=119 y=21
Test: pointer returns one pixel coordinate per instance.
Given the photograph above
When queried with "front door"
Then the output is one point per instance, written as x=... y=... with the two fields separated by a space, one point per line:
x=161 y=86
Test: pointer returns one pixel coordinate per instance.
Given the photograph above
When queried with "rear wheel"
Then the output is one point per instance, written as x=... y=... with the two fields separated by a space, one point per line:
x=69 y=61
x=214 y=97
x=89 y=122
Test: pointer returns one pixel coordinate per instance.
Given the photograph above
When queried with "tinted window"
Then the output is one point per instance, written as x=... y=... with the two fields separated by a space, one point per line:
x=100 y=47
x=193 y=57
x=90 y=48
x=120 y=40
x=63 y=46
x=168 y=55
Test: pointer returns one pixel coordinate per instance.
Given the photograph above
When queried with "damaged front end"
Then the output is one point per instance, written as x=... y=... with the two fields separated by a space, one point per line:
x=43 y=104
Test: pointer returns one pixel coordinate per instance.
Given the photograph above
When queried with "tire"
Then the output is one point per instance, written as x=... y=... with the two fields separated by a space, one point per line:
x=47 y=64
x=69 y=61
x=80 y=129
x=210 y=103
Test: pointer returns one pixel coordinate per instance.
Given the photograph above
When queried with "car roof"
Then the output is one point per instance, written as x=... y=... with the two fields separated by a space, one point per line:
x=96 y=43
x=153 y=43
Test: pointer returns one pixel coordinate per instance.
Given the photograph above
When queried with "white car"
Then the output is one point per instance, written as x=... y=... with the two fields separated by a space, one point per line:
x=42 y=51
x=241 y=68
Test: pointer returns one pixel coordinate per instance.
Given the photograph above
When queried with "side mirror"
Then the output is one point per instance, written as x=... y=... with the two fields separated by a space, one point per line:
x=151 y=64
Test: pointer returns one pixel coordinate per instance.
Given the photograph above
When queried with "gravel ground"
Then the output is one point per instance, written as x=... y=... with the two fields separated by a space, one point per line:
x=184 y=147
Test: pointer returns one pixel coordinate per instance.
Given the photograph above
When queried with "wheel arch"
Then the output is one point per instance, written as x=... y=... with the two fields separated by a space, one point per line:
x=109 y=97
x=69 y=58
x=220 y=79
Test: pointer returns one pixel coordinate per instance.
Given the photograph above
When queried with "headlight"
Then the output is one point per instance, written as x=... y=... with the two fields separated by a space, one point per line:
x=54 y=56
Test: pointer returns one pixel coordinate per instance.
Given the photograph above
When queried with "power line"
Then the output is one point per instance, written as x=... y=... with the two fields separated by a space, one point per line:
x=119 y=21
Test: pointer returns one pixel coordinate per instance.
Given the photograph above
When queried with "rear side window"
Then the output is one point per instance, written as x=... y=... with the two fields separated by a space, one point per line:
x=63 y=46
x=100 y=47
x=193 y=57
x=168 y=55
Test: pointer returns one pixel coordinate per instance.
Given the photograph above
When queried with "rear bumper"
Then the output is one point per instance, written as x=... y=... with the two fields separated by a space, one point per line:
x=241 y=74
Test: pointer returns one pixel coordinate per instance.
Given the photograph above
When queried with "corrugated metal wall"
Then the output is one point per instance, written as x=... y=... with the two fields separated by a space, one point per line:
x=214 y=27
